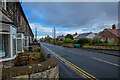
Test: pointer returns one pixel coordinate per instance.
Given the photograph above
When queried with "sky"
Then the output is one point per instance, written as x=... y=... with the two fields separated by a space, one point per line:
x=70 y=17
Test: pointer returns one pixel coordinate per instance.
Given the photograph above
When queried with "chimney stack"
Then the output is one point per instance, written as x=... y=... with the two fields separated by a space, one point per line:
x=76 y=33
x=113 y=26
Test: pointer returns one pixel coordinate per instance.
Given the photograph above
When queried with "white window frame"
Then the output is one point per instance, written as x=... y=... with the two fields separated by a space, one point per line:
x=11 y=48
x=27 y=38
x=4 y=4
x=109 y=39
x=22 y=41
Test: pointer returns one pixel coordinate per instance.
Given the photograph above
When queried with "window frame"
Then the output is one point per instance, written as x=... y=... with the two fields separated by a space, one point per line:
x=11 y=43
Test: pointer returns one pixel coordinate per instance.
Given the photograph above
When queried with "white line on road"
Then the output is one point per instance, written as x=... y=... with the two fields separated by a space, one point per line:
x=105 y=61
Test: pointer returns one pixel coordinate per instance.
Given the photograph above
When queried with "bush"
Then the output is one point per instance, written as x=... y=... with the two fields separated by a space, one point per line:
x=96 y=41
x=47 y=39
x=34 y=43
x=69 y=36
x=67 y=40
x=109 y=44
x=61 y=39
x=83 y=41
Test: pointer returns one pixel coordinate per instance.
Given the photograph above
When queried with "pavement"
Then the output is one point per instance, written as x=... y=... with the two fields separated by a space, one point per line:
x=78 y=63
x=109 y=52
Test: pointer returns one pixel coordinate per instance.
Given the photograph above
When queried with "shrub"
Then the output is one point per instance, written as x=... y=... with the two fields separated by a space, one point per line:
x=109 y=44
x=75 y=41
x=96 y=41
x=67 y=40
x=69 y=36
x=47 y=39
x=34 y=43
x=61 y=39
x=83 y=41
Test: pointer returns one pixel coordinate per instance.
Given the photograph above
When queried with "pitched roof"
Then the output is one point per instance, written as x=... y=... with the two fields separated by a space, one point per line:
x=83 y=35
x=60 y=36
x=116 y=32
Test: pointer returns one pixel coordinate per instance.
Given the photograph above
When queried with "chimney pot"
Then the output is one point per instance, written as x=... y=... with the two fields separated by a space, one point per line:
x=113 y=26
x=76 y=33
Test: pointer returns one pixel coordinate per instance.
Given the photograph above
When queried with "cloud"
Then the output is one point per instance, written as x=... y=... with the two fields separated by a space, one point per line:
x=69 y=0
x=77 y=14
x=40 y=27
x=43 y=31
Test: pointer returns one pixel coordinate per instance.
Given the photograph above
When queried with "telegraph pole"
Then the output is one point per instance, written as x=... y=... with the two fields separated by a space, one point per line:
x=54 y=35
x=36 y=33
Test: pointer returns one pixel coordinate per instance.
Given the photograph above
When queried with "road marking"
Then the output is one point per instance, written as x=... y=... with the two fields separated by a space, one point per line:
x=89 y=76
x=105 y=61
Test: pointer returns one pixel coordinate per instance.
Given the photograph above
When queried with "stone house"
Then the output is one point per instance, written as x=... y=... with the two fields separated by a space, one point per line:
x=15 y=31
x=110 y=35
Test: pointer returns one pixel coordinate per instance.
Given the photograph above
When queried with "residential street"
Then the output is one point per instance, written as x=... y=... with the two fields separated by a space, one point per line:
x=97 y=65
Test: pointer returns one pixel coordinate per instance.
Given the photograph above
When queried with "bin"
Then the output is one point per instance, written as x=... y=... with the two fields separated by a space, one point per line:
x=77 y=46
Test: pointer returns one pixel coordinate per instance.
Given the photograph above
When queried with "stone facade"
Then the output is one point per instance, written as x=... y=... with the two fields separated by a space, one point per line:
x=15 y=13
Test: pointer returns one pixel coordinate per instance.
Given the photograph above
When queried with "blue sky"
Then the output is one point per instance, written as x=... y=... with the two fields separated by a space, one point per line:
x=70 y=17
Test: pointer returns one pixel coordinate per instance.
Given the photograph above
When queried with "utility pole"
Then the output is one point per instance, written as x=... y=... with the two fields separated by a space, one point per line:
x=36 y=33
x=54 y=35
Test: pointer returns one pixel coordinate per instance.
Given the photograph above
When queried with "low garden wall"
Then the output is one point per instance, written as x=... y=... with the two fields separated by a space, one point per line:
x=45 y=55
x=102 y=47
x=70 y=45
x=8 y=64
x=47 y=69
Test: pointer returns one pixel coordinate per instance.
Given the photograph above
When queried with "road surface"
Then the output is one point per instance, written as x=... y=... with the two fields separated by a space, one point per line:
x=78 y=63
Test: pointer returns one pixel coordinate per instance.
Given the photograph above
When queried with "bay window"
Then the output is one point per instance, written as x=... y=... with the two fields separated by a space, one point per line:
x=20 y=42
x=26 y=41
x=7 y=41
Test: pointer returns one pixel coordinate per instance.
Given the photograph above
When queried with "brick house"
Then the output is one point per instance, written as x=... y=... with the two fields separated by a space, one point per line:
x=110 y=35
x=15 y=31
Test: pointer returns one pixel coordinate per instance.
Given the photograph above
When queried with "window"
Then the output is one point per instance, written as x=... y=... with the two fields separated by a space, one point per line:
x=26 y=41
x=110 y=40
x=14 y=41
x=7 y=42
x=18 y=35
x=4 y=28
x=4 y=4
x=5 y=45
x=102 y=39
x=20 y=42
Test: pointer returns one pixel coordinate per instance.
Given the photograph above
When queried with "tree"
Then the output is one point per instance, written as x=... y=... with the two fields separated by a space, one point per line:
x=69 y=36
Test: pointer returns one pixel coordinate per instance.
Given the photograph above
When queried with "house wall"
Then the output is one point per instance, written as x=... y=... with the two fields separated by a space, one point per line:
x=15 y=13
x=15 y=17
x=108 y=34
x=92 y=35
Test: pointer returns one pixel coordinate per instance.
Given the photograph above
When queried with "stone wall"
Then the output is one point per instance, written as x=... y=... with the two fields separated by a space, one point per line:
x=8 y=64
x=44 y=70
x=47 y=74
x=103 y=47
x=70 y=45
x=0 y=70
